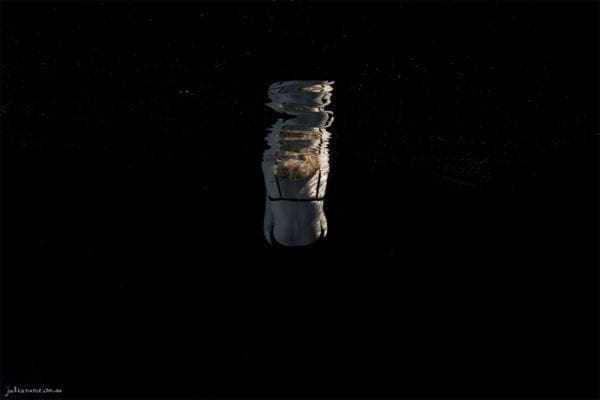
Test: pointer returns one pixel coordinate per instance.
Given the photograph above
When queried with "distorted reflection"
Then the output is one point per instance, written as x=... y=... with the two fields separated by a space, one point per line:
x=296 y=163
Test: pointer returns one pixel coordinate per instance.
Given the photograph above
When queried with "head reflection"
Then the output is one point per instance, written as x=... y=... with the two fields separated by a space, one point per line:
x=296 y=163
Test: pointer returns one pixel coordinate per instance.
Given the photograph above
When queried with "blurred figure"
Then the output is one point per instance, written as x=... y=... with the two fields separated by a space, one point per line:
x=296 y=163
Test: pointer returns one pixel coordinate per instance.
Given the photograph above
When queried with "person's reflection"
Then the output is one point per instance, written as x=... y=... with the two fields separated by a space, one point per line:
x=296 y=163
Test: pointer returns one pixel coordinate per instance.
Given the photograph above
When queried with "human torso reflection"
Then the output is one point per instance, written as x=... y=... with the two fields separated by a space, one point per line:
x=296 y=163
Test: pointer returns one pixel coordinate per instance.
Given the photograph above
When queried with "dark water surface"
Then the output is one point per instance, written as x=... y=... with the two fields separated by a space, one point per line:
x=461 y=258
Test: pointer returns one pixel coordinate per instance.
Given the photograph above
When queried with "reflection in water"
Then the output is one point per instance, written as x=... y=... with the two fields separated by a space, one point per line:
x=296 y=163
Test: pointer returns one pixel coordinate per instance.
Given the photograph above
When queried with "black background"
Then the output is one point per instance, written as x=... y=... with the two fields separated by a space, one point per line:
x=462 y=202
